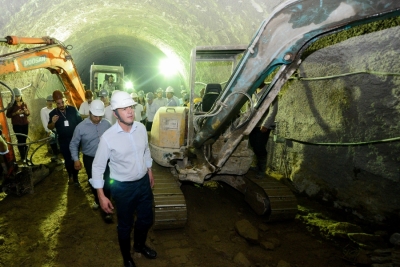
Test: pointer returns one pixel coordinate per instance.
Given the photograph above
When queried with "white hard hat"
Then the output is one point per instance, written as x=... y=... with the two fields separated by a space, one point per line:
x=150 y=95
x=97 y=108
x=17 y=92
x=121 y=99
x=134 y=95
x=169 y=89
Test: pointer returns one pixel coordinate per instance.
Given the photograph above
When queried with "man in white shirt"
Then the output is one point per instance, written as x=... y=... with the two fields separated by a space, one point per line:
x=160 y=101
x=85 y=106
x=44 y=116
x=151 y=110
x=138 y=107
x=108 y=113
x=125 y=146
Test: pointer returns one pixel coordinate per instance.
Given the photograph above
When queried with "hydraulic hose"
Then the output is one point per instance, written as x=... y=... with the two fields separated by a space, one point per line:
x=345 y=144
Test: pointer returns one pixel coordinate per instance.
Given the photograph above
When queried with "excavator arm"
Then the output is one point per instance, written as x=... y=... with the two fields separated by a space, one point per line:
x=53 y=56
x=280 y=42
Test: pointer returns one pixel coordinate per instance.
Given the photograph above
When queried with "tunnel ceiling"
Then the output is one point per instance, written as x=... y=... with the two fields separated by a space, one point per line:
x=135 y=34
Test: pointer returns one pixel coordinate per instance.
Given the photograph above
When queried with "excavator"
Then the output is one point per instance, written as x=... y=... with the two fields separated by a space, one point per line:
x=213 y=145
x=51 y=55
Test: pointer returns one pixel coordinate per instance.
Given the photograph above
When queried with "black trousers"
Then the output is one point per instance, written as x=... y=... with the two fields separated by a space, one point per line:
x=68 y=162
x=258 y=141
x=21 y=129
x=149 y=124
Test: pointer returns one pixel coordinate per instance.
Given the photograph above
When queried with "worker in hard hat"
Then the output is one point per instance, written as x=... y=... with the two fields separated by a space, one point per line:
x=173 y=101
x=19 y=112
x=108 y=113
x=151 y=110
x=87 y=136
x=64 y=119
x=160 y=101
x=125 y=146
x=142 y=101
x=138 y=107
x=85 y=106
x=181 y=100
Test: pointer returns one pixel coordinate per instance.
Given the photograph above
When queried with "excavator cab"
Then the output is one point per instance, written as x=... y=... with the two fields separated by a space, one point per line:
x=208 y=65
x=99 y=74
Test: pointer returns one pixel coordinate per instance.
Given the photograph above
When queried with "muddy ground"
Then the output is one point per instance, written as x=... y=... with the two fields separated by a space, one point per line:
x=56 y=226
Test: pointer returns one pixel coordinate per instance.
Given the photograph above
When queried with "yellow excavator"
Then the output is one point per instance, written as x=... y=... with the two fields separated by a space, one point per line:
x=209 y=145
x=50 y=54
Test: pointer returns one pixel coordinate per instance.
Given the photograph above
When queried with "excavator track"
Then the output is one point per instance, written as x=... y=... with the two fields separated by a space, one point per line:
x=266 y=196
x=169 y=201
x=283 y=202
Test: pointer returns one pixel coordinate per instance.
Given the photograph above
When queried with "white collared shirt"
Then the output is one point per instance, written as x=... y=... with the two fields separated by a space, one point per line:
x=129 y=155
x=84 y=108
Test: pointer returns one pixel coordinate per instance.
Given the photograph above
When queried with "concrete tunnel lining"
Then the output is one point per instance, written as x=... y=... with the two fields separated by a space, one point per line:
x=172 y=27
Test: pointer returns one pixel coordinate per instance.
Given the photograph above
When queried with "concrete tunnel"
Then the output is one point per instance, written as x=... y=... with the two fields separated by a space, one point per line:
x=365 y=107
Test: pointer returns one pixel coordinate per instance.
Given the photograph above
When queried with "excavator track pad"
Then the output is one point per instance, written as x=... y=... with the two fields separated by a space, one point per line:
x=283 y=203
x=169 y=201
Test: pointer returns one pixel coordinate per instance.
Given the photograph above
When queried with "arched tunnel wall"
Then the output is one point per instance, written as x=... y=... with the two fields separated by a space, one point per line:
x=355 y=108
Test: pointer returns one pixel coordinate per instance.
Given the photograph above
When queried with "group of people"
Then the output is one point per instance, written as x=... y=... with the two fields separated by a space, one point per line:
x=155 y=101
x=117 y=161
x=116 y=154
x=116 y=157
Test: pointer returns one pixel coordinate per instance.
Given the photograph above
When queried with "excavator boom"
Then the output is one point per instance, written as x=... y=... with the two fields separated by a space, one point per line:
x=52 y=56
x=280 y=40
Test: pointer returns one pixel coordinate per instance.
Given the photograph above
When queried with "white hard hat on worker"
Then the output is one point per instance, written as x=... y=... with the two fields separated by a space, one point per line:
x=121 y=99
x=97 y=108
x=169 y=89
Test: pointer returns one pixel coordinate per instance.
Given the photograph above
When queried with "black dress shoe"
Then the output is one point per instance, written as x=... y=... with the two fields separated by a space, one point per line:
x=130 y=264
x=147 y=252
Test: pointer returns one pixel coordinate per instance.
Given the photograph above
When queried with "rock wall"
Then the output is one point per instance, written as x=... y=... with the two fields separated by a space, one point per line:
x=350 y=109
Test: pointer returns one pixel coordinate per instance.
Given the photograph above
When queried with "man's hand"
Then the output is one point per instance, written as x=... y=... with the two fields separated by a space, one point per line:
x=106 y=204
x=54 y=119
x=151 y=178
x=77 y=165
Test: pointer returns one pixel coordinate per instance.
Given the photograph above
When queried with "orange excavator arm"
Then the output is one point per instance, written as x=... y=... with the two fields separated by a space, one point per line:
x=53 y=55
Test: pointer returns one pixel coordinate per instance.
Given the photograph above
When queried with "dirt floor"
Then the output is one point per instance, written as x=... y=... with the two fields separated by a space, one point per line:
x=56 y=226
